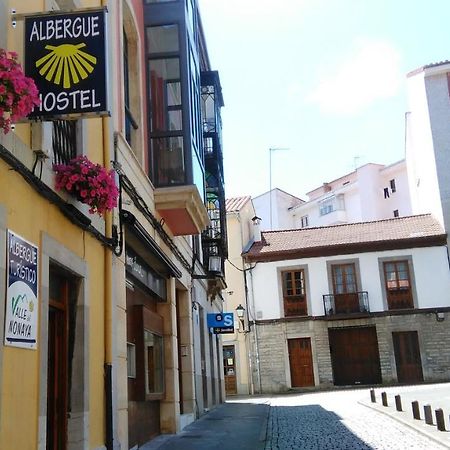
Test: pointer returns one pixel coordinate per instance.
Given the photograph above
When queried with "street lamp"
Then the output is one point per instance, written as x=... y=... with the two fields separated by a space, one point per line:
x=272 y=149
x=240 y=311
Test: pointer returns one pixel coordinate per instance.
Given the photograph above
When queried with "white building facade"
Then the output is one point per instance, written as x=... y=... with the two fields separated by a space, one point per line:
x=428 y=141
x=370 y=192
x=363 y=303
x=274 y=209
x=236 y=360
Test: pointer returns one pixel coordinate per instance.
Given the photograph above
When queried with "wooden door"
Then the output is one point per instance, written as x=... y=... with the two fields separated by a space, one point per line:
x=345 y=288
x=407 y=356
x=229 y=367
x=57 y=368
x=354 y=356
x=300 y=362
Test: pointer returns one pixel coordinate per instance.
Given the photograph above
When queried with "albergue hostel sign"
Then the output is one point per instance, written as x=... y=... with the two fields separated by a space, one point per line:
x=21 y=293
x=66 y=57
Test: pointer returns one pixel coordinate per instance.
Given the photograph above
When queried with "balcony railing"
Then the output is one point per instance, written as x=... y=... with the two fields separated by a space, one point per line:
x=349 y=303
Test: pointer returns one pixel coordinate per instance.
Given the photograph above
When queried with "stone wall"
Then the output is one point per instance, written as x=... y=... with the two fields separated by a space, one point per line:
x=434 y=341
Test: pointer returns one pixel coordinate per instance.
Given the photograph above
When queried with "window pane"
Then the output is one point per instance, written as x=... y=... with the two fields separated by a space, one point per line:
x=153 y=362
x=164 y=92
x=168 y=161
x=162 y=39
x=298 y=283
x=175 y=120
x=131 y=360
x=199 y=175
x=173 y=93
x=338 y=280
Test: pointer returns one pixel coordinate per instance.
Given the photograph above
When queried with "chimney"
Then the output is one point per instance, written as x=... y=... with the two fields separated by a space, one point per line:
x=256 y=228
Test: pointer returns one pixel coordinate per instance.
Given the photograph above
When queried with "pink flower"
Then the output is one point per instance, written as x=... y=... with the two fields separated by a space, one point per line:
x=90 y=183
x=18 y=93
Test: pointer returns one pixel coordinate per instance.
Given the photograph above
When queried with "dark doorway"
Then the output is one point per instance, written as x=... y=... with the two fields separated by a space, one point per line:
x=61 y=338
x=229 y=368
x=300 y=362
x=203 y=357
x=180 y=358
x=145 y=385
x=354 y=356
x=407 y=356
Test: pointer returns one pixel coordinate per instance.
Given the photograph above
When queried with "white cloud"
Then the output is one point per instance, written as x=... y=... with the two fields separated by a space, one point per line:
x=371 y=73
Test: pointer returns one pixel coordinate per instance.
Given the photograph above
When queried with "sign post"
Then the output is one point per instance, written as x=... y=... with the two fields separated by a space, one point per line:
x=21 y=319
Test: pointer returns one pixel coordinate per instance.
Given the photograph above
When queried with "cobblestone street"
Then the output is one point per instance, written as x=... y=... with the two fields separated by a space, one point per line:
x=335 y=420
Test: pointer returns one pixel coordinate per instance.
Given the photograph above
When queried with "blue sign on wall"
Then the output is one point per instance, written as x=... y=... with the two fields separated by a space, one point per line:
x=21 y=318
x=221 y=323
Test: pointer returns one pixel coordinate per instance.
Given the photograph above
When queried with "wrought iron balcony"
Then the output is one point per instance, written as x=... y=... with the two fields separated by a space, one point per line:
x=349 y=303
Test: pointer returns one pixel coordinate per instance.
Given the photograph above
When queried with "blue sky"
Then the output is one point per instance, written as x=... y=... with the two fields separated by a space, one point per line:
x=324 y=78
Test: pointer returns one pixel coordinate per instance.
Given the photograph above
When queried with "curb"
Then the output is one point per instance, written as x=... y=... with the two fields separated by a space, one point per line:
x=408 y=423
x=263 y=433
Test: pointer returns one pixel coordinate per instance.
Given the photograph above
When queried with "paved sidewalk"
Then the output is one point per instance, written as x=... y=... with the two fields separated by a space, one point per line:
x=436 y=395
x=235 y=425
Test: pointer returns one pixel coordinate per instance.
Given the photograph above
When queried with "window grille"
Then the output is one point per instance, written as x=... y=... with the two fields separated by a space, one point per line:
x=64 y=141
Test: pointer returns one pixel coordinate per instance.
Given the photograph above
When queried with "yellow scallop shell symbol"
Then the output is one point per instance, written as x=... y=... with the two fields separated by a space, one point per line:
x=66 y=62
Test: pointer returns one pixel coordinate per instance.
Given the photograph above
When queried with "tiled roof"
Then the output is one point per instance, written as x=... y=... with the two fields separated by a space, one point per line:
x=428 y=66
x=402 y=232
x=236 y=203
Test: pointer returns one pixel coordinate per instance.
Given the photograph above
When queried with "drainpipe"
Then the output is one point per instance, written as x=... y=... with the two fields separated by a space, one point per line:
x=108 y=308
x=247 y=340
x=258 y=368
x=108 y=304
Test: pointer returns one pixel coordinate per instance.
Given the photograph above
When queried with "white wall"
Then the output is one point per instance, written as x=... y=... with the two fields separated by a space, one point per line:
x=439 y=109
x=281 y=215
x=400 y=199
x=431 y=275
x=363 y=197
x=421 y=163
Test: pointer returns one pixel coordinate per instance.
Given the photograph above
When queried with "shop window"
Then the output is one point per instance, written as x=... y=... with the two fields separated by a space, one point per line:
x=131 y=360
x=153 y=356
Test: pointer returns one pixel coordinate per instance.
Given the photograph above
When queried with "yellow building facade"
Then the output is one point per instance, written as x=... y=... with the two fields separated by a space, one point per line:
x=111 y=345
x=52 y=391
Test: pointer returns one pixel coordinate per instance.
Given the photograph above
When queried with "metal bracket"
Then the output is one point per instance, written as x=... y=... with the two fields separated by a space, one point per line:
x=13 y=18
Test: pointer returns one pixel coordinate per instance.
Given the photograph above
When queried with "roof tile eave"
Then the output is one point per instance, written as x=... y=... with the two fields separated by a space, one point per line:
x=255 y=254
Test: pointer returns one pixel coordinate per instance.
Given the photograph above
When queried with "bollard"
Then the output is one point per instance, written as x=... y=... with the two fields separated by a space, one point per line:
x=384 y=399
x=398 y=403
x=415 y=409
x=428 y=414
x=372 y=396
x=440 y=422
